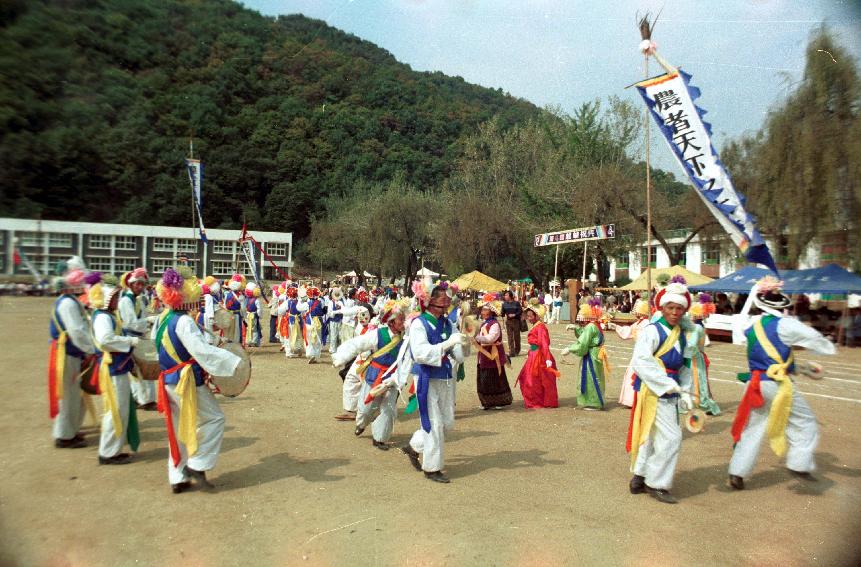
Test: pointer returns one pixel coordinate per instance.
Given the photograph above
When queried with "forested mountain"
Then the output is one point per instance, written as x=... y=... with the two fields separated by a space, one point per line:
x=98 y=100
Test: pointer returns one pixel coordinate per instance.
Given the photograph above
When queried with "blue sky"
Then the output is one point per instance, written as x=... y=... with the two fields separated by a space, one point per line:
x=745 y=55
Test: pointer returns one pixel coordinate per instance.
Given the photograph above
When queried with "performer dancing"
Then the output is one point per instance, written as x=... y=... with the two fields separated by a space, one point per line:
x=234 y=301
x=662 y=386
x=295 y=326
x=334 y=309
x=771 y=406
x=590 y=346
x=382 y=344
x=492 y=383
x=119 y=423
x=253 y=333
x=184 y=398
x=70 y=345
x=431 y=345
x=538 y=376
x=313 y=313
x=135 y=325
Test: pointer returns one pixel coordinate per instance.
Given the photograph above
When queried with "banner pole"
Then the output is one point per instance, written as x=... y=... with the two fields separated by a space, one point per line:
x=585 y=247
x=556 y=266
x=648 y=193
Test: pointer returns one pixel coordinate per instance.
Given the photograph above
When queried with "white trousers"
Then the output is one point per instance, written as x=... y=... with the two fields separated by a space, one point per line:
x=210 y=431
x=556 y=311
x=802 y=434
x=657 y=458
x=314 y=347
x=144 y=391
x=334 y=336
x=441 y=413
x=350 y=390
x=348 y=331
x=109 y=444
x=382 y=411
x=68 y=421
x=236 y=336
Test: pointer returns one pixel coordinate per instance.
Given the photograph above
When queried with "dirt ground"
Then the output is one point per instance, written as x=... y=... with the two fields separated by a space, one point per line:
x=529 y=488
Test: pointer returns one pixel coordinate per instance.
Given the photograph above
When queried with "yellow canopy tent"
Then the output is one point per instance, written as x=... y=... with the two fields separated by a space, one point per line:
x=476 y=281
x=691 y=278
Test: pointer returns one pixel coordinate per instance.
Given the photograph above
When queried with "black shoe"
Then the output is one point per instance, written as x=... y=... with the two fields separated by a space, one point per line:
x=73 y=443
x=637 y=484
x=413 y=455
x=661 y=495
x=736 y=482
x=149 y=406
x=802 y=475
x=118 y=459
x=180 y=487
x=359 y=431
x=380 y=445
x=437 y=476
x=199 y=477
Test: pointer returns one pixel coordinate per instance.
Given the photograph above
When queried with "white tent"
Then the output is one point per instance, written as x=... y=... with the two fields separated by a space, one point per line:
x=426 y=272
x=349 y=275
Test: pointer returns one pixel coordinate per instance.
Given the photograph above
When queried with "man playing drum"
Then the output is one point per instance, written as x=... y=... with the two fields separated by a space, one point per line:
x=195 y=422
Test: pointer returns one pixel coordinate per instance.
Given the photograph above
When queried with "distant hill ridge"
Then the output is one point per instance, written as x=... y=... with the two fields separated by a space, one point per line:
x=98 y=100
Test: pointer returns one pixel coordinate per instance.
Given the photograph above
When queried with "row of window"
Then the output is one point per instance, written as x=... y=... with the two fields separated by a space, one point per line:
x=111 y=242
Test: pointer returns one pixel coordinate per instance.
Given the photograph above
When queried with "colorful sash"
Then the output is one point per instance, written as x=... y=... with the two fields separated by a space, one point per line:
x=56 y=367
x=781 y=406
x=109 y=394
x=646 y=403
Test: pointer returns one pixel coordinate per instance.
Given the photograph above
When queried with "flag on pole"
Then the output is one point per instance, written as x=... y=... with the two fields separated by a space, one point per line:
x=195 y=175
x=670 y=98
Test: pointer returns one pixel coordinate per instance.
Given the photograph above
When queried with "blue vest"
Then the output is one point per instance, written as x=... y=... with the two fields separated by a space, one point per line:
x=232 y=301
x=383 y=338
x=436 y=334
x=251 y=305
x=337 y=305
x=292 y=311
x=674 y=359
x=757 y=358
x=71 y=349
x=121 y=362
x=137 y=311
x=166 y=362
x=453 y=315
x=315 y=309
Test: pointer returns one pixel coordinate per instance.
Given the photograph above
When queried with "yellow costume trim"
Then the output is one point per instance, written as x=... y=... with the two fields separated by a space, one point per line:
x=106 y=386
x=186 y=389
x=605 y=362
x=781 y=406
x=381 y=352
x=60 y=357
x=647 y=401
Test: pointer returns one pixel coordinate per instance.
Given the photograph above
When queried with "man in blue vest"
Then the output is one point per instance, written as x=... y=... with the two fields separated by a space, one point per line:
x=119 y=423
x=662 y=389
x=135 y=324
x=70 y=345
x=432 y=346
x=771 y=406
x=377 y=399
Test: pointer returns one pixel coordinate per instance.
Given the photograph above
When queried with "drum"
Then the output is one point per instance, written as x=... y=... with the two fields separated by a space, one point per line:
x=146 y=360
x=223 y=320
x=232 y=386
x=695 y=420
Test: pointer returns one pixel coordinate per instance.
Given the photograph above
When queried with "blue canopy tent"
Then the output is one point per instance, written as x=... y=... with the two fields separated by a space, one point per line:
x=739 y=281
x=826 y=279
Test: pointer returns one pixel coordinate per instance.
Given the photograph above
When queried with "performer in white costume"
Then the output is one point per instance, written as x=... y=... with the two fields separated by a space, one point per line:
x=662 y=389
x=771 y=406
x=135 y=324
x=195 y=422
x=71 y=343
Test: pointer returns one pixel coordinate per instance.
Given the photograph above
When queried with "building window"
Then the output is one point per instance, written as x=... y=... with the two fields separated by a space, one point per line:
x=100 y=263
x=163 y=245
x=711 y=253
x=683 y=257
x=622 y=261
x=653 y=257
x=30 y=238
x=124 y=264
x=186 y=245
x=222 y=268
x=159 y=265
x=125 y=242
x=222 y=246
x=99 y=241
x=60 y=240
x=276 y=248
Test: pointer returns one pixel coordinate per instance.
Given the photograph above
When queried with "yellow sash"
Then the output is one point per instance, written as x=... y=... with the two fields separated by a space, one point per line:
x=647 y=401
x=59 y=357
x=186 y=389
x=778 y=416
x=106 y=385
x=381 y=352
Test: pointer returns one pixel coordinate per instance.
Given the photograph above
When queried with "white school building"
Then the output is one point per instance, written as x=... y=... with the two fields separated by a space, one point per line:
x=118 y=248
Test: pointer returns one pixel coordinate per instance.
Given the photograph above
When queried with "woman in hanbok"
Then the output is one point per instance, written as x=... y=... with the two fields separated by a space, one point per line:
x=697 y=339
x=492 y=383
x=590 y=346
x=538 y=376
